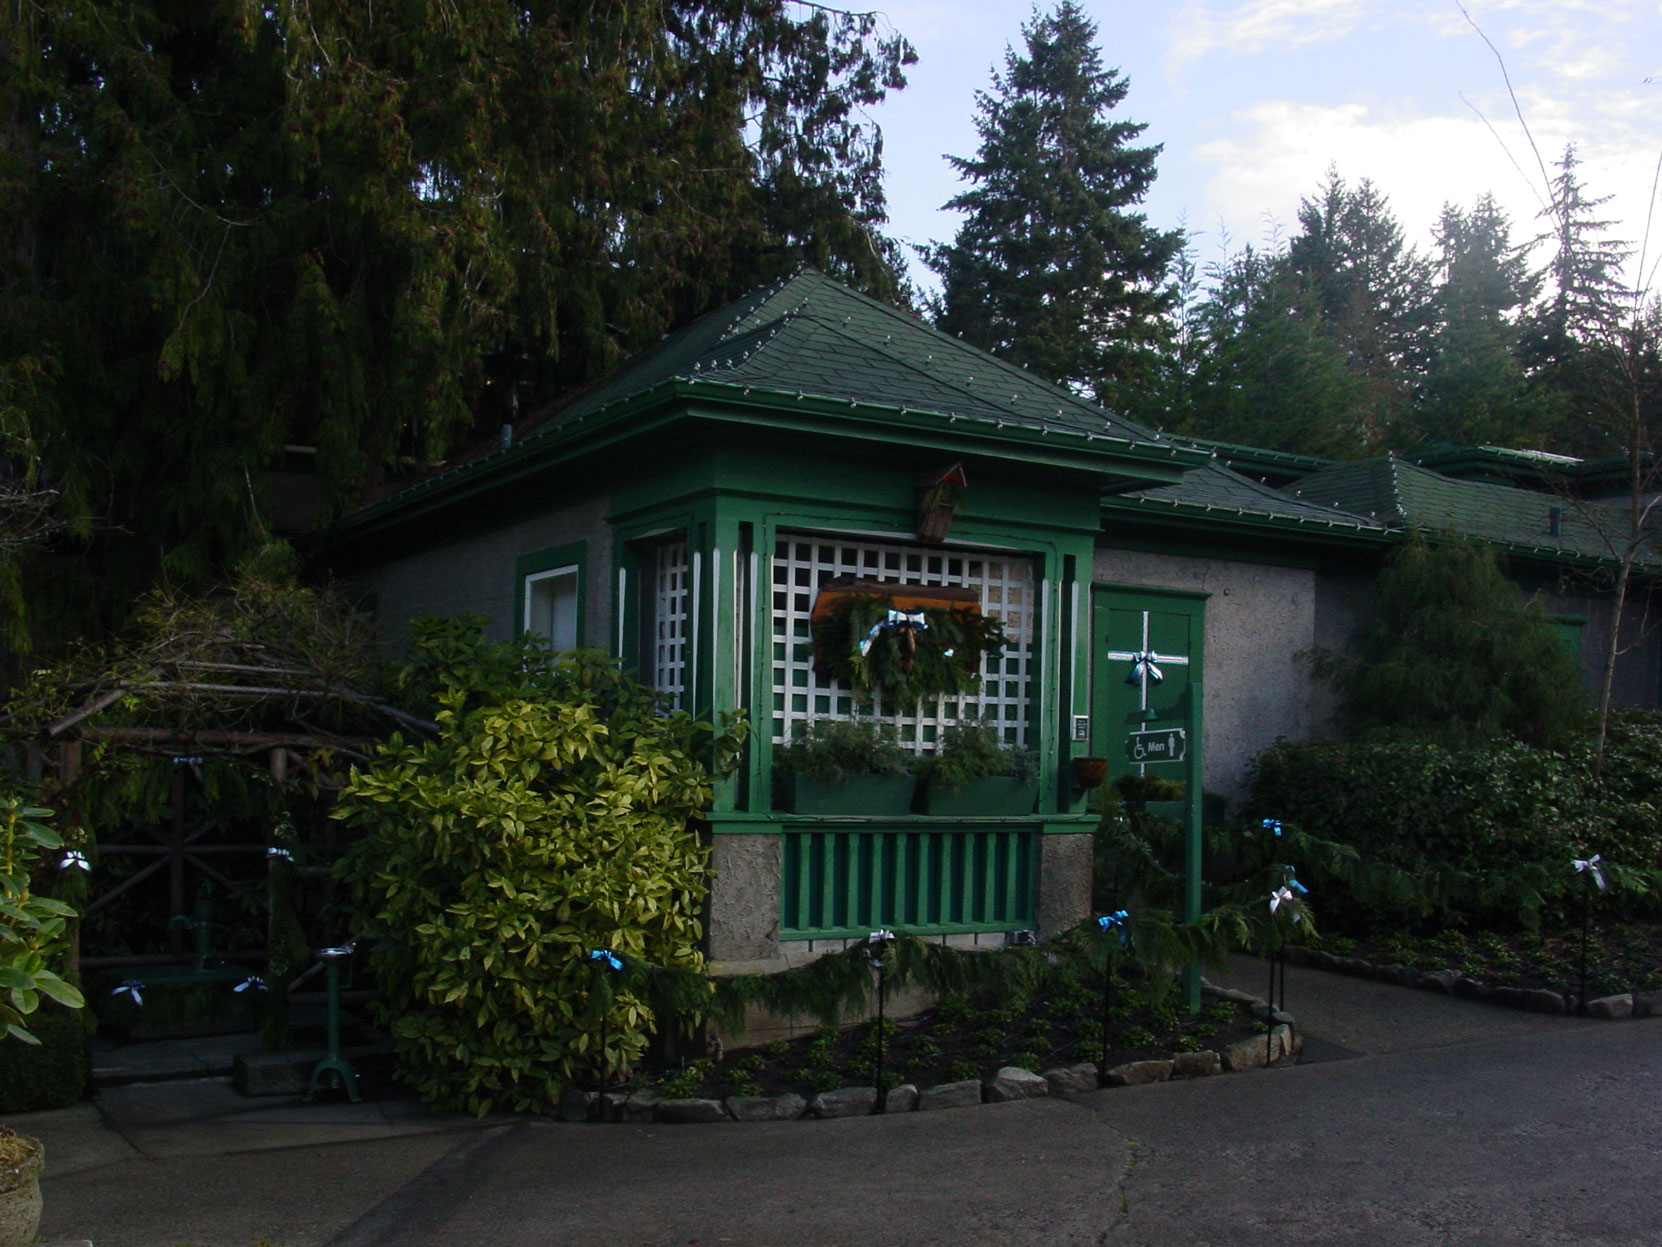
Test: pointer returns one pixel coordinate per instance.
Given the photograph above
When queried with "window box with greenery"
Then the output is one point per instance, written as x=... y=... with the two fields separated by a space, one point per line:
x=976 y=775
x=844 y=767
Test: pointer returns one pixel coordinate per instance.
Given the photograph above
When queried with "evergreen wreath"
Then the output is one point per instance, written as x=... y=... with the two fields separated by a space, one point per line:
x=865 y=642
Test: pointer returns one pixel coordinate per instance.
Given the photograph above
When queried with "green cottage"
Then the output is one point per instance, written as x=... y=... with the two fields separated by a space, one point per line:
x=808 y=454
x=690 y=514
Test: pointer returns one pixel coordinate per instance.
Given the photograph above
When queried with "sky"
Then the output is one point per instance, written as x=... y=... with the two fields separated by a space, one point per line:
x=1253 y=102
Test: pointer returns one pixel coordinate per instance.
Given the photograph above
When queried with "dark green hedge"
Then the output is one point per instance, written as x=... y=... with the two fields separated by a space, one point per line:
x=1481 y=836
x=56 y=1072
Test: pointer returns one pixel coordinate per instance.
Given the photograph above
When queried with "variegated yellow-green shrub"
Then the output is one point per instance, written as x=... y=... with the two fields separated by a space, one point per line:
x=496 y=859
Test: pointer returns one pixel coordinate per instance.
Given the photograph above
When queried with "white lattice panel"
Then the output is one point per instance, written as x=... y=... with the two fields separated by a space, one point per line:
x=669 y=622
x=804 y=561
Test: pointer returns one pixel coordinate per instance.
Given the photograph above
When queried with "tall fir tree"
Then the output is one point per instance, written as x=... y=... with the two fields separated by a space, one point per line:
x=1052 y=268
x=1265 y=372
x=1574 y=341
x=1475 y=390
x=379 y=229
x=1374 y=294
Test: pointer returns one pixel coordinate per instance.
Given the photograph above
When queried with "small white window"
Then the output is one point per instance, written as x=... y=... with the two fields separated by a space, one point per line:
x=551 y=606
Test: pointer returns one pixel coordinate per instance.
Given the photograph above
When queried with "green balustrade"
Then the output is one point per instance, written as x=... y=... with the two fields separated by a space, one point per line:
x=843 y=881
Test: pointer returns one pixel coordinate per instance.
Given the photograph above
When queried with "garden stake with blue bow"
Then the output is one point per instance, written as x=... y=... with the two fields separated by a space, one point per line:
x=607 y=960
x=1109 y=922
x=1278 y=960
x=1594 y=873
x=1272 y=832
x=879 y=944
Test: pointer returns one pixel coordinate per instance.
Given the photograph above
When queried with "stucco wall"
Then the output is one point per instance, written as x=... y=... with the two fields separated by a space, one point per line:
x=1257 y=618
x=476 y=575
x=1640 y=643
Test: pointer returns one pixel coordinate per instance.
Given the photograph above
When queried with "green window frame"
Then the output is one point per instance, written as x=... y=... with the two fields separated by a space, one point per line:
x=544 y=582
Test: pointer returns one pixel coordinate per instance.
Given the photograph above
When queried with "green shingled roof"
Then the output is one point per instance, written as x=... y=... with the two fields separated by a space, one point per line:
x=1223 y=493
x=812 y=337
x=1404 y=495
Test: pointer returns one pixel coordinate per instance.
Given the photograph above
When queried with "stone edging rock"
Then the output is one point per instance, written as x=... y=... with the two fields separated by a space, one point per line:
x=1534 y=999
x=1010 y=1083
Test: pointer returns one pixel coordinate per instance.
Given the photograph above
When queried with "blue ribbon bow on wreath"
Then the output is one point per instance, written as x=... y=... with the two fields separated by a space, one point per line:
x=895 y=619
x=608 y=957
x=1273 y=824
x=1114 y=922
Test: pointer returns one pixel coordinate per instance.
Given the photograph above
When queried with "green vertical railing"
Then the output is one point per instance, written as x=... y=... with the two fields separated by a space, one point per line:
x=848 y=881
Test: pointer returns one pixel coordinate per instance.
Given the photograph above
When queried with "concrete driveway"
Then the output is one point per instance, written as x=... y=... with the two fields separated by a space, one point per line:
x=1431 y=1121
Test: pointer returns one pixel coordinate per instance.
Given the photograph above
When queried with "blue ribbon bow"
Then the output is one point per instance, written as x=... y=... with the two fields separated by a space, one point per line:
x=75 y=858
x=895 y=619
x=1273 y=824
x=130 y=988
x=608 y=957
x=1591 y=866
x=1114 y=921
x=252 y=983
x=1144 y=662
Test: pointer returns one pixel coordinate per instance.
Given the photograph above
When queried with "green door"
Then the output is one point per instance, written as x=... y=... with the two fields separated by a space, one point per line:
x=1147 y=669
x=1147 y=666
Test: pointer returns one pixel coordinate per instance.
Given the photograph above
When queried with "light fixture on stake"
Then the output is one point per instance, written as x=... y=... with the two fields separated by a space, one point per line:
x=1114 y=923
x=605 y=962
x=879 y=946
x=1593 y=872
x=1287 y=894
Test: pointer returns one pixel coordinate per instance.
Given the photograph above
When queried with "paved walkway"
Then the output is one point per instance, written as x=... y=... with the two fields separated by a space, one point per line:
x=1442 y=1121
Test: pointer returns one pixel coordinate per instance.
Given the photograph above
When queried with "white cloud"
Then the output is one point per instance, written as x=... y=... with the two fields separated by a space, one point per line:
x=1259 y=25
x=1282 y=149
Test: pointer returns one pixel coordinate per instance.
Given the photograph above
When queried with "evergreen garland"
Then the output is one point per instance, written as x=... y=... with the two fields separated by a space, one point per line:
x=905 y=663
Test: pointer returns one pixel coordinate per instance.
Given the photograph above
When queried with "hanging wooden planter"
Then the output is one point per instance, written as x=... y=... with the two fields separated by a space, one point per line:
x=939 y=494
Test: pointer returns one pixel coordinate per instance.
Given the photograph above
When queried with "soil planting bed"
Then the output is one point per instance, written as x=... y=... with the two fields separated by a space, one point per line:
x=964 y=1038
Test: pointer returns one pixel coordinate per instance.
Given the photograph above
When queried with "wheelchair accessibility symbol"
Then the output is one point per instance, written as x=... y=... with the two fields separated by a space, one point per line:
x=1167 y=744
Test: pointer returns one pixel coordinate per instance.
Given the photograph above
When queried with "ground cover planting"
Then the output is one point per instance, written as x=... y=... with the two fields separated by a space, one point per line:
x=1621 y=956
x=972 y=1036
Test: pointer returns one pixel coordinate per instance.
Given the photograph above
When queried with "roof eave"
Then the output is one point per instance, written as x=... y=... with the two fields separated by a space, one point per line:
x=673 y=401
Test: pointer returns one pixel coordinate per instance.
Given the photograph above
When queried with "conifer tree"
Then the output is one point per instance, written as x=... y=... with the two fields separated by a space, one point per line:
x=1454 y=655
x=1053 y=269
x=381 y=230
x=1266 y=373
x=1574 y=342
x=1475 y=391
x=1374 y=293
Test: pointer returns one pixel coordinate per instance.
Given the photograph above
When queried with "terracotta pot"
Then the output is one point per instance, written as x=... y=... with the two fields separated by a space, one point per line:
x=20 y=1196
x=1089 y=773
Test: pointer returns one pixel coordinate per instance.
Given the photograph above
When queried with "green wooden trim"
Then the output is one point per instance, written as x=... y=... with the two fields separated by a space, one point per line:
x=573 y=554
x=1157 y=591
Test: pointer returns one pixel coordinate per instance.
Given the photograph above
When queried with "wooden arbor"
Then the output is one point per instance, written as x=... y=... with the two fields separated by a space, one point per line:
x=206 y=699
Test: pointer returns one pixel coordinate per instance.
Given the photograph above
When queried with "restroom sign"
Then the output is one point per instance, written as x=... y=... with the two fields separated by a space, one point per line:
x=1166 y=744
